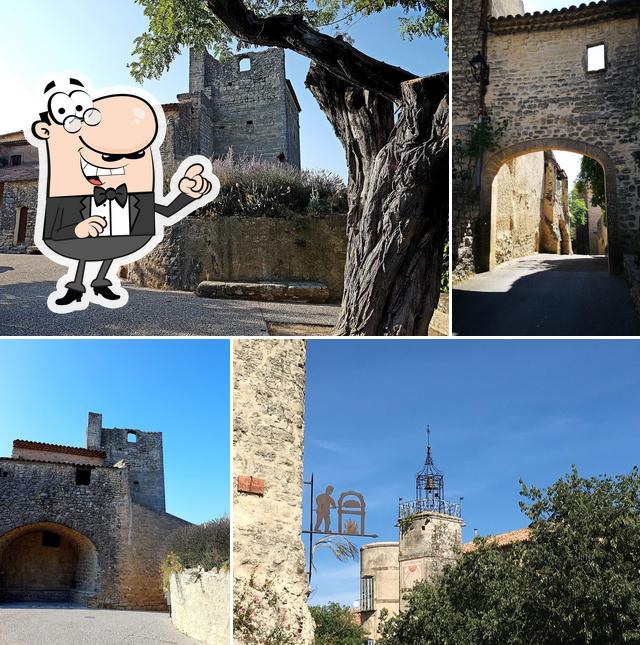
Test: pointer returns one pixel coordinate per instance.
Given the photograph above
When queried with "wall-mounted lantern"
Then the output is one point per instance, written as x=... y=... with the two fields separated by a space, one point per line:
x=480 y=69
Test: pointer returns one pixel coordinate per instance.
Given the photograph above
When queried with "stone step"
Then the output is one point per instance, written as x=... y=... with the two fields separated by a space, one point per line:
x=315 y=292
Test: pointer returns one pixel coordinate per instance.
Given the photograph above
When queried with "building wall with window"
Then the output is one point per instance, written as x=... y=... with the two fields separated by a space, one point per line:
x=72 y=528
x=542 y=87
x=379 y=583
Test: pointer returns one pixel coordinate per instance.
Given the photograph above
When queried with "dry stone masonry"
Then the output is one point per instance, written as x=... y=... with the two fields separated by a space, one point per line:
x=541 y=87
x=85 y=525
x=268 y=432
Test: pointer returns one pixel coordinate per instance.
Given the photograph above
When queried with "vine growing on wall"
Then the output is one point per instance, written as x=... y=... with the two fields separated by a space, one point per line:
x=482 y=136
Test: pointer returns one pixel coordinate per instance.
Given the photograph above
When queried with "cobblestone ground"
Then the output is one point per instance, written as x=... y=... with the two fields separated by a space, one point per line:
x=31 y=624
x=545 y=295
x=27 y=280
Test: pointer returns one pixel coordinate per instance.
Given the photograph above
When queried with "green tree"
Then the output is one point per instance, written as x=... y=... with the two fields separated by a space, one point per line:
x=577 y=208
x=393 y=126
x=575 y=581
x=335 y=626
x=591 y=175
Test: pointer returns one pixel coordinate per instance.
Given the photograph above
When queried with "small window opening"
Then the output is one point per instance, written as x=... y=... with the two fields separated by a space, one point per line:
x=229 y=84
x=281 y=157
x=596 y=58
x=83 y=476
x=16 y=160
x=245 y=64
x=132 y=437
x=51 y=540
x=136 y=483
x=249 y=122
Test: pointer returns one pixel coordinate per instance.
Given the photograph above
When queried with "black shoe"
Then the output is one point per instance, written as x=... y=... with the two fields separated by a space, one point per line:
x=71 y=296
x=106 y=293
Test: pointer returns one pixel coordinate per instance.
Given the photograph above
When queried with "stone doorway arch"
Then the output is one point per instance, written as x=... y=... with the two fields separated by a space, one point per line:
x=47 y=562
x=486 y=230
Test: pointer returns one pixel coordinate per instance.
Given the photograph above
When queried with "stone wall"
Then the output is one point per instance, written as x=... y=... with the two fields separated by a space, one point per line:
x=200 y=605
x=540 y=87
x=247 y=249
x=516 y=202
x=142 y=451
x=427 y=545
x=13 y=196
x=268 y=434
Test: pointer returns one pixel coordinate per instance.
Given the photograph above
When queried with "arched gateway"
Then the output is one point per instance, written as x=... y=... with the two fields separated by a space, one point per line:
x=543 y=87
x=47 y=562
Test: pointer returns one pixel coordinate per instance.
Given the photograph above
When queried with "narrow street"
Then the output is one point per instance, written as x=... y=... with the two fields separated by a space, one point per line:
x=545 y=295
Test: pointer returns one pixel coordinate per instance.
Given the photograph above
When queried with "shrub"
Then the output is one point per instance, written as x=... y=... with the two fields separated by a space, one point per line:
x=335 y=625
x=252 y=187
x=199 y=546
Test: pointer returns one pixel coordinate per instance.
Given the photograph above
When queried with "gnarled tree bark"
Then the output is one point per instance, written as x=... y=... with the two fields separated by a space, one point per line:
x=398 y=174
x=398 y=201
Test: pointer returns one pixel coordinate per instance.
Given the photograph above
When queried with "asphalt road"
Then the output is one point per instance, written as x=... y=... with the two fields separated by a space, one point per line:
x=545 y=295
x=27 y=280
x=28 y=624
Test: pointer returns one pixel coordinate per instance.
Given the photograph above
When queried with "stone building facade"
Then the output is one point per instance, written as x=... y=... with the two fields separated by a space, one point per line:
x=268 y=433
x=530 y=206
x=85 y=525
x=245 y=104
x=543 y=88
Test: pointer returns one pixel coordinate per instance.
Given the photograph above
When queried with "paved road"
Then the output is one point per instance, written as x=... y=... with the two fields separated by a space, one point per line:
x=27 y=280
x=545 y=295
x=31 y=624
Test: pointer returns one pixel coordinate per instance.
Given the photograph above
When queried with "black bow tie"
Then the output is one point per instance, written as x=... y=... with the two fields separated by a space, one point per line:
x=119 y=194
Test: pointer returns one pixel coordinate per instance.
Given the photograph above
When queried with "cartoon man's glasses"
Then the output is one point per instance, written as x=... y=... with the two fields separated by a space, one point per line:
x=72 y=110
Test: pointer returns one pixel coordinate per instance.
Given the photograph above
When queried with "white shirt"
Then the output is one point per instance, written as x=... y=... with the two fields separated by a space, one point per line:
x=117 y=217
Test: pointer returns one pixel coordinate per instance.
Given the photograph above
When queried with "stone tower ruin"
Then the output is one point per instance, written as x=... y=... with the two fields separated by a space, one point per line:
x=245 y=104
x=142 y=452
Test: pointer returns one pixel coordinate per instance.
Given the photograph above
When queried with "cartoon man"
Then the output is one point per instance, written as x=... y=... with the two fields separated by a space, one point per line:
x=104 y=188
x=324 y=504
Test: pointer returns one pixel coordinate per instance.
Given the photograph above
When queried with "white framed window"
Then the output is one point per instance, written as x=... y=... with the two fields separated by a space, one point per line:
x=596 y=58
x=366 y=593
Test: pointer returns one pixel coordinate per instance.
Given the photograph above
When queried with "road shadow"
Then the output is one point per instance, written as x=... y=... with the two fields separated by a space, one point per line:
x=561 y=297
x=5 y=269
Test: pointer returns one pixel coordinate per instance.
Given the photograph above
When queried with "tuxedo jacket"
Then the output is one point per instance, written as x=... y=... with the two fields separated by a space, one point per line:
x=63 y=214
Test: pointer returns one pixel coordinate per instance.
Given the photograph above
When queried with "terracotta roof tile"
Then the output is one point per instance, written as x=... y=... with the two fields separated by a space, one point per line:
x=501 y=539
x=54 y=447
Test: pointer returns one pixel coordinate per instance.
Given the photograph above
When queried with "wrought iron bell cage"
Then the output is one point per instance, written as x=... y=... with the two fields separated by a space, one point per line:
x=430 y=483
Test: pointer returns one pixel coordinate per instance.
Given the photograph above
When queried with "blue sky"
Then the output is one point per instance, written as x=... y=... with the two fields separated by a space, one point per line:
x=177 y=387
x=498 y=410
x=40 y=37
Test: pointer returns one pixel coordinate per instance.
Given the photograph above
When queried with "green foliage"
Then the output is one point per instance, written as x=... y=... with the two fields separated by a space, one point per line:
x=258 y=615
x=174 y=24
x=252 y=187
x=335 y=626
x=577 y=208
x=341 y=548
x=575 y=581
x=405 y=522
x=591 y=175
x=200 y=546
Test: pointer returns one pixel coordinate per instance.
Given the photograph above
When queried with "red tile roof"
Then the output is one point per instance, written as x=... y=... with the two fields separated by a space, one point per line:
x=54 y=447
x=502 y=539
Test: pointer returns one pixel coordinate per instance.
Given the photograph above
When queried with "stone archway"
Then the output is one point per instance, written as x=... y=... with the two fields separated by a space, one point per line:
x=485 y=239
x=47 y=562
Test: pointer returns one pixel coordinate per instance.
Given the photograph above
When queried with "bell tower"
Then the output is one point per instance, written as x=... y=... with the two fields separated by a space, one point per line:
x=430 y=528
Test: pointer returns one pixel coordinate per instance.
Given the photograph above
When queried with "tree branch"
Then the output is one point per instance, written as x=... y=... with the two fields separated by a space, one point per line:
x=334 y=54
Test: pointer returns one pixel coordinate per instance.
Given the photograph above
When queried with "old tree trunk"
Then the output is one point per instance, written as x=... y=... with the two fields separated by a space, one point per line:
x=398 y=174
x=398 y=201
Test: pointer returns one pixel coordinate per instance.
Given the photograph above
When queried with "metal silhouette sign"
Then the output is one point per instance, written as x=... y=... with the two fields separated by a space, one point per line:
x=345 y=517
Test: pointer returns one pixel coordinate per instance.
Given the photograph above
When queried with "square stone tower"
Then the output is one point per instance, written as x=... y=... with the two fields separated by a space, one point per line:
x=141 y=451
x=245 y=103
